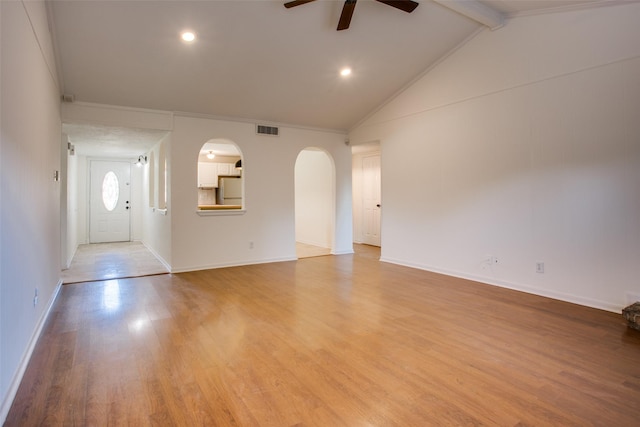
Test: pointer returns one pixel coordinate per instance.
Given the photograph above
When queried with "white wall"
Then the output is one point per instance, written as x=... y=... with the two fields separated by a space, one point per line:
x=64 y=202
x=314 y=196
x=5 y=397
x=72 y=207
x=156 y=223
x=523 y=144
x=268 y=169
x=82 y=191
x=30 y=198
x=184 y=240
x=137 y=202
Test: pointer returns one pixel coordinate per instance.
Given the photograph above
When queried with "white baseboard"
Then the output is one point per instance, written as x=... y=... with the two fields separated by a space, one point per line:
x=342 y=252
x=68 y=261
x=22 y=367
x=155 y=254
x=232 y=264
x=574 y=299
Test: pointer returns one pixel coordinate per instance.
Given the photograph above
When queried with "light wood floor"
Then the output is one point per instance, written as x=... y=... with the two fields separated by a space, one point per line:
x=327 y=341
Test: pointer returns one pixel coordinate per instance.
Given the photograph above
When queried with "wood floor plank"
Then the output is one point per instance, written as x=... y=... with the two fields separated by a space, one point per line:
x=334 y=340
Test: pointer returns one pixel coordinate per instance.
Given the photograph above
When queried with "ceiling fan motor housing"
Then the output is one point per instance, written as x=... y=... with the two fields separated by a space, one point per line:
x=350 y=5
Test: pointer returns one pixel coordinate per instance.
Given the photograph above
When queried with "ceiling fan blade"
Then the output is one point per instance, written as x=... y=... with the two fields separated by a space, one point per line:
x=295 y=3
x=404 y=5
x=347 y=13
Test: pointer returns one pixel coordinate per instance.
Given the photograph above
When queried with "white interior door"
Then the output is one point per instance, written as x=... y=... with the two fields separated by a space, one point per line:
x=110 y=207
x=371 y=200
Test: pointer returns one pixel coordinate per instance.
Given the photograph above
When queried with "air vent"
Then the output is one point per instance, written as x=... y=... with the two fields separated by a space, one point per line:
x=267 y=130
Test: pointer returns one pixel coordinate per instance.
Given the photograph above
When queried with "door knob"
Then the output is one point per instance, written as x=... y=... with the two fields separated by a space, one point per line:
x=378 y=205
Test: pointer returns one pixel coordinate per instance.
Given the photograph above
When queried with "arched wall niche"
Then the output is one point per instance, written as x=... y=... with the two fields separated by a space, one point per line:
x=220 y=179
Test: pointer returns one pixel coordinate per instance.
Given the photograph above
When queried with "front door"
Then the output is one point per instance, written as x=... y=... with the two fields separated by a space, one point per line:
x=371 y=200
x=110 y=210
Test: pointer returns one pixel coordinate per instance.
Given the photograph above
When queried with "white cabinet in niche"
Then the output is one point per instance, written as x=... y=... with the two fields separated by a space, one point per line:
x=228 y=169
x=207 y=175
x=224 y=168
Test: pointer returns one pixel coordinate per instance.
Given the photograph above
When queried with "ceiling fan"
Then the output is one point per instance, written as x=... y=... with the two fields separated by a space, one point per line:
x=350 y=5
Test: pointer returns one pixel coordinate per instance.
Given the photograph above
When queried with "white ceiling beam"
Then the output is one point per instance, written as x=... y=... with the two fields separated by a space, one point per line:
x=477 y=11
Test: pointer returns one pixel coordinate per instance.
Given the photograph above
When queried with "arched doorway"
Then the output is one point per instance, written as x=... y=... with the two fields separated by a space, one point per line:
x=314 y=203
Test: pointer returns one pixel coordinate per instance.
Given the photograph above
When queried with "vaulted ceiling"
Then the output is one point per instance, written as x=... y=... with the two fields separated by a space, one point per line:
x=255 y=59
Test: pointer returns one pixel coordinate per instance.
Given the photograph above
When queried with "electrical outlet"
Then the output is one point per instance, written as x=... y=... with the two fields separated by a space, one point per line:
x=488 y=261
x=540 y=267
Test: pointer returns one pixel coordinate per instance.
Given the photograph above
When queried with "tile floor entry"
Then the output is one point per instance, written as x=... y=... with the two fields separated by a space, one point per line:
x=105 y=261
x=307 y=251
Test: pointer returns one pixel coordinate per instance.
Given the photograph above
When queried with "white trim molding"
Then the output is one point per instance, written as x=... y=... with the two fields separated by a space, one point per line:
x=477 y=11
x=22 y=367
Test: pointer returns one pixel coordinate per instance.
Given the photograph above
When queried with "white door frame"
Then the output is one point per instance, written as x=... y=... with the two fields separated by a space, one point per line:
x=373 y=239
x=123 y=207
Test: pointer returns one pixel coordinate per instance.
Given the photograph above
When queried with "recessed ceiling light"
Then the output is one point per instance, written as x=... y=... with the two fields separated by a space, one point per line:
x=345 y=72
x=188 y=36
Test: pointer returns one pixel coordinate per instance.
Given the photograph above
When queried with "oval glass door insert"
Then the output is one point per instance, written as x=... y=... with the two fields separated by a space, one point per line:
x=110 y=191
